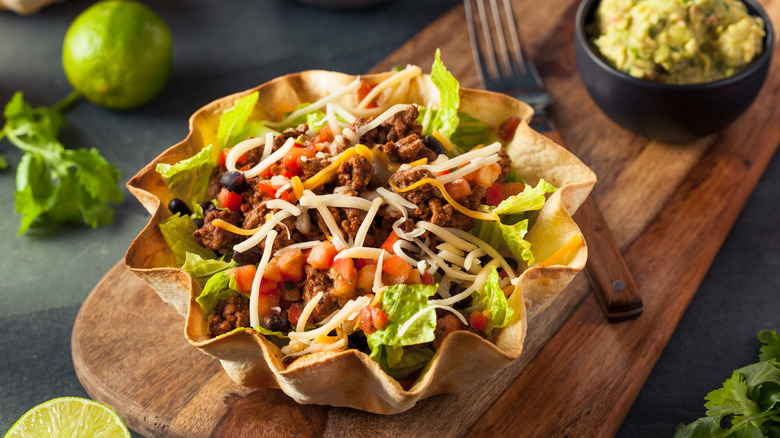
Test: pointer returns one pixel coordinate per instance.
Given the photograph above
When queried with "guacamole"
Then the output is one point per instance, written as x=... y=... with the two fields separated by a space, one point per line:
x=677 y=41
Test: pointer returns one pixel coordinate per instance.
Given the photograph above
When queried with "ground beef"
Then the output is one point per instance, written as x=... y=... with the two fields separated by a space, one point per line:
x=229 y=315
x=400 y=125
x=408 y=149
x=405 y=178
x=506 y=165
x=439 y=212
x=214 y=185
x=317 y=281
x=473 y=201
x=355 y=173
x=353 y=218
x=311 y=166
x=216 y=238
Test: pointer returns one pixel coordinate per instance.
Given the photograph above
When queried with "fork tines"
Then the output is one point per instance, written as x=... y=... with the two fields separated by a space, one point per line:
x=494 y=37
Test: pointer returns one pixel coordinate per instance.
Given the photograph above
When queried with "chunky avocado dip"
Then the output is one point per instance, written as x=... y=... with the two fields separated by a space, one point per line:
x=678 y=41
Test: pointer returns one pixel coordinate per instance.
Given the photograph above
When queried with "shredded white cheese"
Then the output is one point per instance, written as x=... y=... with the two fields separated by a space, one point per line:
x=254 y=317
x=347 y=310
x=353 y=86
x=360 y=237
x=381 y=118
x=240 y=149
x=271 y=159
x=422 y=312
x=409 y=72
x=269 y=225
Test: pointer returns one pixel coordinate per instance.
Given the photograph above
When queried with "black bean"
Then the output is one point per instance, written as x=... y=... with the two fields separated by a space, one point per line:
x=248 y=257
x=433 y=144
x=198 y=222
x=357 y=341
x=207 y=207
x=456 y=288
x=277 y=322
x=179 y=206
x=233 y=181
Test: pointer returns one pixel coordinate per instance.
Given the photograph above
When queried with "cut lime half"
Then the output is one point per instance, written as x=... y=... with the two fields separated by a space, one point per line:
x=69 y=417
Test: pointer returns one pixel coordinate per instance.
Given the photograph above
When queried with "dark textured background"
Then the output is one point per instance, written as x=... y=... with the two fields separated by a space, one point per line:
x=224 y=47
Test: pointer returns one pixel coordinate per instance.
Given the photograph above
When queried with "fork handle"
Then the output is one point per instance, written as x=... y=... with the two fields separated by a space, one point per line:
x=607 y=271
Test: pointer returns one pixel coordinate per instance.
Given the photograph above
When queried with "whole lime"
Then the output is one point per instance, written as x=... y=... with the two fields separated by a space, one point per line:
x=74 y=417
x=118 y=54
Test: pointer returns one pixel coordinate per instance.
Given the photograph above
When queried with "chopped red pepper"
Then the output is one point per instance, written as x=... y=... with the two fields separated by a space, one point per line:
x=389 y=242
x=478 y=320
x=507 y=129
x=229 y=200
x=495 y=194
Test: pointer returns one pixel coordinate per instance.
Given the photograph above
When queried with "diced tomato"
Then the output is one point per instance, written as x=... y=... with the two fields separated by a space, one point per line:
x=478 y=320
x=290 y=160
x=389 y=242
x=507 y=129
x=414 y=277
x=495 y=194
x=245 y=275
x=266 y=302
x=343 y=288
x=359 y=263
x=428 y=280
x=459 y=189
x=325 y=136
x=363 y=91
x=379 y=317
x=229 y=200
x=365 y=278
x=294 y=313
x=290 y=263
x=372 y=319
x=512 y=188
x=366 y=320
x=487 y=175
x=321 y=256
x=345 y=267
x=389 y=280
x=268 y=286
x=444 y=326
x=272 y=271
x=223 y=158
x=397 y=267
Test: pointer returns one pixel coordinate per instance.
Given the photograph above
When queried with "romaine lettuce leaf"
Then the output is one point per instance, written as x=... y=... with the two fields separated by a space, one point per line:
x=445 y=120
x=472 y=132
x=494 y=301
x=201 y=269
x=177 y=231
x=215 y=289
x=189 y=179
x=399 y=362
x=505 y=237
x=532 y=198
x=399 y=303
x=233 y=121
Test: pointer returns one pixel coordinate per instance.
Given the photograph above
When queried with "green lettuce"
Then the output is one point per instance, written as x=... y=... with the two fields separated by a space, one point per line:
x=532 y=198
x=216 y=289
x=445 y=120
x=505 y=237
x=472 y=132
x=399 y=303
x=201 y=268
x=399 y=362
x=494 y=301
x=177 y=231
x=189 y=179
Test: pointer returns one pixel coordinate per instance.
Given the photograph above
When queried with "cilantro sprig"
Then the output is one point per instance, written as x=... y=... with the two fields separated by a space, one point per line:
x=748 y=404
x=55 y=184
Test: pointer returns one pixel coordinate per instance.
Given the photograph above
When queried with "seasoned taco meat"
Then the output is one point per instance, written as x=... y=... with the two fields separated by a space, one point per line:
x=229 y=315
x=216 y=238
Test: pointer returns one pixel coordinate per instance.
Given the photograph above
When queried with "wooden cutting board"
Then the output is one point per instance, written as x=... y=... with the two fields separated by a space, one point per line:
x=669 y=207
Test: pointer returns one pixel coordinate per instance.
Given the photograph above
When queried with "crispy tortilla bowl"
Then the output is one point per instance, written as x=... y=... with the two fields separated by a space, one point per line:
x=350 y=378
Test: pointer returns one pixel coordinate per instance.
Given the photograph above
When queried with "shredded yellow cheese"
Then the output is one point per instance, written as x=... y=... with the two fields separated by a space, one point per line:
x=328 y=172
x=573 y=243
x=445 y=142
x=471 y=213
x=297 y=186
x=219 y=223
x=420 y=162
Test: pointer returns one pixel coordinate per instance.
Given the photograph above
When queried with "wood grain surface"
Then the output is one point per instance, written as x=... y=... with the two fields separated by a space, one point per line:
x=669 y=207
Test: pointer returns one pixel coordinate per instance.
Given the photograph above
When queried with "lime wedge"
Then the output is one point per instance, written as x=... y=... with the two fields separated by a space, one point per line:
x=69 y=417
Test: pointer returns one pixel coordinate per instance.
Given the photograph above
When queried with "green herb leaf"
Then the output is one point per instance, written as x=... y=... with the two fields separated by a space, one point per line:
x=771 y=345
x=55 y=184
x=215 y=289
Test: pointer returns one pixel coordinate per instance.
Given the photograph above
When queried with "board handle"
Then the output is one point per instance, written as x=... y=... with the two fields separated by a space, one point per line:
x=607 y=271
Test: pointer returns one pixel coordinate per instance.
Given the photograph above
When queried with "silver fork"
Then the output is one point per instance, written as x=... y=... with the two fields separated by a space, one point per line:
x=501 y=66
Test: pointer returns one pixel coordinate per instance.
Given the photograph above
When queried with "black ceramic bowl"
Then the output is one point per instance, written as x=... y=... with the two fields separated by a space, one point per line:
x=666 y=112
